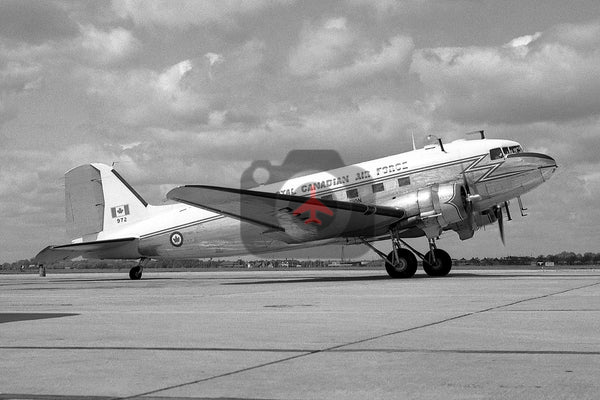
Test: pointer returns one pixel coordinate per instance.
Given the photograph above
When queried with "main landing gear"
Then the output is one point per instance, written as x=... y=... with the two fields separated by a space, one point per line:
x=402 y=262
x=135 y=273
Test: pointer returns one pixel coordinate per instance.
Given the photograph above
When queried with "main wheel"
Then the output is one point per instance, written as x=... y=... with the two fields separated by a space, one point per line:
x=442 y=265
x=135 y=273
x=403 y=267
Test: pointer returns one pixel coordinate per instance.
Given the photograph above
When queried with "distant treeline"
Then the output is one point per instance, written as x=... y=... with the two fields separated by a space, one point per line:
x=564 y=258
x=171 y=264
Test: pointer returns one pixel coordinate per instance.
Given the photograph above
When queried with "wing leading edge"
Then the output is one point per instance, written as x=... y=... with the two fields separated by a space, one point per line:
x=291 y=218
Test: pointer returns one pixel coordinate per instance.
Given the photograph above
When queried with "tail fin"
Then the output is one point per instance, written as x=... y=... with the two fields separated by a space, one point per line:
x=98 y=200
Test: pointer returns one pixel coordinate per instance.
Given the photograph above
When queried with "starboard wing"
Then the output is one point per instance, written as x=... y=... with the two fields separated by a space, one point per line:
x=275 y=212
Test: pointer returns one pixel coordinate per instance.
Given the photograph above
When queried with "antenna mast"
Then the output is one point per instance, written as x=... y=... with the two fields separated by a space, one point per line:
x=481 y=133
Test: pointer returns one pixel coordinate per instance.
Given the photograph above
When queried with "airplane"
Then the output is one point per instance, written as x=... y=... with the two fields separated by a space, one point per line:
x=458 y=186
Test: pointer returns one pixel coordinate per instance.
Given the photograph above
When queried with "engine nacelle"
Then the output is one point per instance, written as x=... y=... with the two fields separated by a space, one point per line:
x=434 y=207
x=467 y=228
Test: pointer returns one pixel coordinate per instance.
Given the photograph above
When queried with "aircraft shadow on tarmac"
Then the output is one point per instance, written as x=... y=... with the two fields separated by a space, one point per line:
x=14 y=317
x=532 y=274
x=317 y=280
x=124 y=279
x=452 y=275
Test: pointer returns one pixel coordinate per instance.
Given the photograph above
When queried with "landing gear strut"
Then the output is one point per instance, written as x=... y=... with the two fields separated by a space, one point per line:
x=436 y=262
x=135 y=273
x=402 y=263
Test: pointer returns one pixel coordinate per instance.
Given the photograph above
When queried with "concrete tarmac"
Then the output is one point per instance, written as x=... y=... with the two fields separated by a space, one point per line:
x=301 y=335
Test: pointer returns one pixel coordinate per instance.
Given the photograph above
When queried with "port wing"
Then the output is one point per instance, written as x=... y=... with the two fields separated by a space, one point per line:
x=126 y=248
x=275 y=212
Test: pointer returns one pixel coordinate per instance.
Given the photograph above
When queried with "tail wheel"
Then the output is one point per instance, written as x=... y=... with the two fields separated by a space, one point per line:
x=441 y=266
x=403 y=266
x=135 y=273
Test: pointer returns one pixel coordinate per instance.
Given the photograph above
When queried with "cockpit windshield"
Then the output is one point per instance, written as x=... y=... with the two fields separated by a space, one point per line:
x=502 y=152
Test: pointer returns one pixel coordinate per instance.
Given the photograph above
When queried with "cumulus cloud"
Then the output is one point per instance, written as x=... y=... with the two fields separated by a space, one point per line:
x=532 y=78
x=585 y=36
x=393 y=57
x=105 y=48
x=213 y=59
x=218 y=87
x=321 y=47
x=193 y=92
x=387 y=7
x=144 y=97
x=332 y=54
x=90 y=46
x=35 y=22
x=187 y=12
x=16 y=76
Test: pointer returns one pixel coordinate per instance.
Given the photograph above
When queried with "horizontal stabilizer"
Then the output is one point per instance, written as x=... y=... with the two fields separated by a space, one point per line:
x=126 y=248
x=291 y=215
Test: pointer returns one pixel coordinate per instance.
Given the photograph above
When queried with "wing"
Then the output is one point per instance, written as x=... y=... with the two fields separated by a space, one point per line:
x=126 y=248
x=275 y=212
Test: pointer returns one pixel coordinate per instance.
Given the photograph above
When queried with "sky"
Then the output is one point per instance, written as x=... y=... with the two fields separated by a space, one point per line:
x=192 y=92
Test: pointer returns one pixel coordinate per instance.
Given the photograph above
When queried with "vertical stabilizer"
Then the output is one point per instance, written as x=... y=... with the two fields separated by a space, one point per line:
x=84 y=202
x=98 y=200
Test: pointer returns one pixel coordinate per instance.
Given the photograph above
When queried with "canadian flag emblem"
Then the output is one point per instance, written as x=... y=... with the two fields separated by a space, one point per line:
x=120 y=211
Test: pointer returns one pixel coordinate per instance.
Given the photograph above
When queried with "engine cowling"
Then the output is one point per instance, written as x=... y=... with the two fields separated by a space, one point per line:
x=435 y=207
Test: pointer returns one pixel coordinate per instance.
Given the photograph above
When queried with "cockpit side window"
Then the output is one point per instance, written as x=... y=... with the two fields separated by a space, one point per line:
x=514 y=149
x=496 y=154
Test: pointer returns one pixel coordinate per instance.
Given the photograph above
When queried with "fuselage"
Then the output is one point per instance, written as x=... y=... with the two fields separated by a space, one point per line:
x=493 y=170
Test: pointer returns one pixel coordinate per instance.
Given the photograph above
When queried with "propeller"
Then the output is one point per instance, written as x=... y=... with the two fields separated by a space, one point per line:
x=469 y=198
x=500 y=218
x=497 y=210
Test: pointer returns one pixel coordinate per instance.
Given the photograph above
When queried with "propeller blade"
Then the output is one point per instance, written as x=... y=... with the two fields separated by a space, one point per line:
x=501 y=224
x=469 y=203
x=466 y=183
x=471 y=191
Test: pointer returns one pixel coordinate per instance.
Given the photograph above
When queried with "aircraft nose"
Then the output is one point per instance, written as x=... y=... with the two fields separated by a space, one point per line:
x=544 y=163
x=547 y=166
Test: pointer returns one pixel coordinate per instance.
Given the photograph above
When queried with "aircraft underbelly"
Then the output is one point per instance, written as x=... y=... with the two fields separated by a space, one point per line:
x=219 y=238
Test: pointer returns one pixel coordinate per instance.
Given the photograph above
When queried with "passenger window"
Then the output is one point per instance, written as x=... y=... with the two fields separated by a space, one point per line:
x=404 y=181
x=378 y=187
x=327 y=197
x=352 y=193
x=496 y=154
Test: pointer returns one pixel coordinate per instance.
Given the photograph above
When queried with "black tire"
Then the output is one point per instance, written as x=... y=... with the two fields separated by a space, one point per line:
x=403 y=268
x=442 y=266
x=135 y=273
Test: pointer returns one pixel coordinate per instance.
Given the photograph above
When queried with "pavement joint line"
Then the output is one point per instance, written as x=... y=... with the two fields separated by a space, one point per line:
x=217 y=376
x=337 y=347
x=460 y=316
x=308 y=351
x=465 y=351
x=125 y=348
